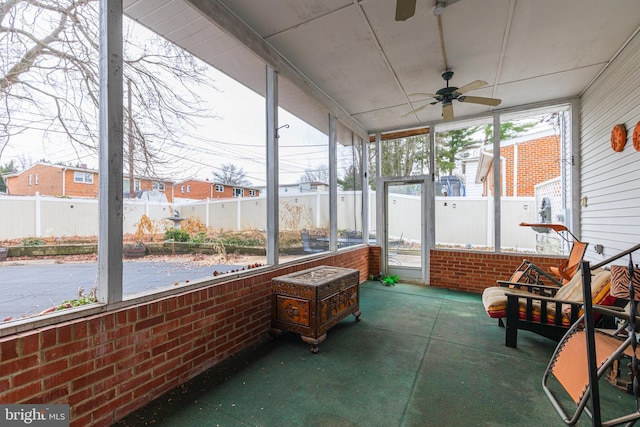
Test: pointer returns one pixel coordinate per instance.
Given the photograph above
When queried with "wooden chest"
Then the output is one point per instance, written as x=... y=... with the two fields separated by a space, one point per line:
x=309 y=302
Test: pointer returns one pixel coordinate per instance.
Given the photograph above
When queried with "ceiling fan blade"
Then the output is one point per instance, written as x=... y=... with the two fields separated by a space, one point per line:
x=428 y=95
x=480 y=100
x=471 y=86
x=415 y=111
x=405 y=9
x=447 y=112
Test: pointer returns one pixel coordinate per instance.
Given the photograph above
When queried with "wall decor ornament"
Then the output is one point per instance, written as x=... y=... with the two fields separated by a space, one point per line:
x=618 y=138
x=636 y=137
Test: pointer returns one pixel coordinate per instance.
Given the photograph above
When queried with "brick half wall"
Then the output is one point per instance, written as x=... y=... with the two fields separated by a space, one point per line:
x=110 y=364
x=472 y=271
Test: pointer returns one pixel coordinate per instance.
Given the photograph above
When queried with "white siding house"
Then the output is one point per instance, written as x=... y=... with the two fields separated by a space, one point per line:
x=610 y=181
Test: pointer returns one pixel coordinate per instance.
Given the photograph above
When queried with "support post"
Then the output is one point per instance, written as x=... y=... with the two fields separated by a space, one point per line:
x=110 y=154
x=273 y=197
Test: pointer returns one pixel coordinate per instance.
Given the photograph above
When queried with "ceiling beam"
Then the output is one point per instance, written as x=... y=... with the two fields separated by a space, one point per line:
x=218 y=13
x=400 y=134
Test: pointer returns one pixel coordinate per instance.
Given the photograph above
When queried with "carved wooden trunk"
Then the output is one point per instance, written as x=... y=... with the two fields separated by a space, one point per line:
x=309 y=302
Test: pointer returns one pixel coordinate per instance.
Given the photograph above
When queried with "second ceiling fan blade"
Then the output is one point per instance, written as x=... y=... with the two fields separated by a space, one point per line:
x=447 y=112
x=471 y=86
x=415 y=111
x=405 y=9
x=480 y=100
x=428 y=95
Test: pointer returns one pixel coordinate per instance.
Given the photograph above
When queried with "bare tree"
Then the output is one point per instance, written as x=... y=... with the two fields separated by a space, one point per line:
x=231 y=174
x=49 y=51
x=320 y=174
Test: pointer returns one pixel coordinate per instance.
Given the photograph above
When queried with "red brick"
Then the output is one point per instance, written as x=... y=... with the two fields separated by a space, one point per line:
x=65 y=350
x=68 y=375
x=165 y=326
x=126 y=362
x=37 y=372
x=87 y=380
x=148 y=323
x=21 y=394
x=57 y=395
x=104 y=384
x=90 y=405
x=30 y=342
x=131 y=384
x=81 y=421
x=17 y=364
x=94 y=325
x=80 y=330
x=64 y=333
x=112 y=334
x=8 y=348
x=97 y=353
x=152 y=389
x=79 y=396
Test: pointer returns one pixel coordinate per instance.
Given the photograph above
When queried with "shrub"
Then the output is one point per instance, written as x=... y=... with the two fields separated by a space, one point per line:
x=177 y=235
x=32 y=242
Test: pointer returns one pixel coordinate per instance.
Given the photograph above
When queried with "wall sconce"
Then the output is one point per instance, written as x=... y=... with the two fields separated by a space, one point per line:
x=526 y=207
x=599 y=249
x=453 y=206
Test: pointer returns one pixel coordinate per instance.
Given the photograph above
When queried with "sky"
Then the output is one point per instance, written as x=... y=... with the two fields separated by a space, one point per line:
x=236 y=135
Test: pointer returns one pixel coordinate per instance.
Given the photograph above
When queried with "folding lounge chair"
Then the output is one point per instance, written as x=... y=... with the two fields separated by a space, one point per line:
x=565 y=271
x=585 y=355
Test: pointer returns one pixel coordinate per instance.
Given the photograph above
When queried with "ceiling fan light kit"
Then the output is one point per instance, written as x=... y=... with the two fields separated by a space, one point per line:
x=438 y=8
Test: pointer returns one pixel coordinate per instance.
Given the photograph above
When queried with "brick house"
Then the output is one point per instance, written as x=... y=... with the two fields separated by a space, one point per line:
x=196 y=189
x=57 y=180
x=526 y=161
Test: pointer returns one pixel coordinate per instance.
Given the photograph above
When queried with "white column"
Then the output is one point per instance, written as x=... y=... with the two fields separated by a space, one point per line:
x=110 y=153
x=273 y=225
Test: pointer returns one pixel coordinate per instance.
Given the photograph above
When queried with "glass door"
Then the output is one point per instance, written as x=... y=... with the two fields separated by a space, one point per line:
x=404 y=228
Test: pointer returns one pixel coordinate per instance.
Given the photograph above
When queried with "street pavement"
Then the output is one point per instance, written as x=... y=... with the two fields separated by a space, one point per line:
x=28 y=288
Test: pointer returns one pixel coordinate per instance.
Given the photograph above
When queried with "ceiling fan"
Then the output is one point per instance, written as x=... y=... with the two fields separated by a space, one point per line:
x=405 y=9
x=446 y=95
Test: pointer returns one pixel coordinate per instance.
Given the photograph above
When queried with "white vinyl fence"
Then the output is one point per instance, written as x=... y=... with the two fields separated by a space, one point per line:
x=466 y=221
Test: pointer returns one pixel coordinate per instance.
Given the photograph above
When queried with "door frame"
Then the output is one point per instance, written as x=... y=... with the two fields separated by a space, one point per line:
x=408 y=274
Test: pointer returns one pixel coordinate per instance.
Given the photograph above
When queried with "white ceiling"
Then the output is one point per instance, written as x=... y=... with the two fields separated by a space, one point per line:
x=355 y=53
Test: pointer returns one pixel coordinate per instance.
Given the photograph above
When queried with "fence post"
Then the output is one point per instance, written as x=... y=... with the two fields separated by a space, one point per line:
x=206 y=212
x=38 y=215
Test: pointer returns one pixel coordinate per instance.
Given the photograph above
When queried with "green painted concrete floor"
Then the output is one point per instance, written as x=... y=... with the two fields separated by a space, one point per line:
x=420 y=356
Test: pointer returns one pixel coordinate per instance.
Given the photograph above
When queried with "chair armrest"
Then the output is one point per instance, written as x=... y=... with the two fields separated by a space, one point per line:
x=614 y=311
x=506 y=283
x=544 y=298
x=529 y=287
x=541 y=272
